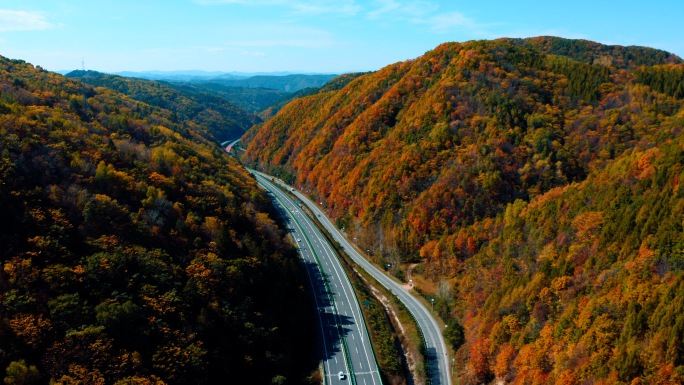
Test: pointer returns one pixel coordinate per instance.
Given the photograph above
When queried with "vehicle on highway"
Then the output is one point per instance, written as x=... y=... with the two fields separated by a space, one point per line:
x=341 y=376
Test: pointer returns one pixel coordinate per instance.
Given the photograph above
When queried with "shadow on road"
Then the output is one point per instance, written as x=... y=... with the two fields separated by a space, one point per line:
x=433 y=365
x=332 y=324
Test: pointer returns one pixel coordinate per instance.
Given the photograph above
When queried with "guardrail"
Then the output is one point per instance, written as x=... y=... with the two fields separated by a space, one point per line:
x=423 y=348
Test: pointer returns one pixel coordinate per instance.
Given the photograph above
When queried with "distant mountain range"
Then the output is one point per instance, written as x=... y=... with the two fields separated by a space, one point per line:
x=286 y=83
x=218 y=116
x=281 y=81
x=180 y=75
x=258 y=93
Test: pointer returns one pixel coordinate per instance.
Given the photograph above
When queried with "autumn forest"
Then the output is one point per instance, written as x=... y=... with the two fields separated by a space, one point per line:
x=535 y=182
x=134 y=251
x=532 y=186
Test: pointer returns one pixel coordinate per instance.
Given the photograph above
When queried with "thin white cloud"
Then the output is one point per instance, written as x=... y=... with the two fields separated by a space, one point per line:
x=447 y=22
x=22 y=21
x=311 y=8
x=214 y=49
x=298 y=7
x=302 y=43
x=253 y=53
x=385 y=6
x=402 y=9
x=255 y=36
x=241 y=2
x=428 y=14
x=531 y=32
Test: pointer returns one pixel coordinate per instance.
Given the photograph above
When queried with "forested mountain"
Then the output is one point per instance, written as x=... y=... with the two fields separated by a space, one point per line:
x=218 y=116
x=537 y=182
x=180 y=76
x=334 y=84
x=262 y=95
x=133 y=250
x=254 y=100
x=266 y=102
x=286 y=83
x=226 y=106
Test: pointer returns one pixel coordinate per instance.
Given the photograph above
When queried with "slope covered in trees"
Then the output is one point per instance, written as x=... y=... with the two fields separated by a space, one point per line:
x=134 y=251
x=584 y=284
x=286 y=83
x=253 y=100
x=536 y=180
x=217 y=116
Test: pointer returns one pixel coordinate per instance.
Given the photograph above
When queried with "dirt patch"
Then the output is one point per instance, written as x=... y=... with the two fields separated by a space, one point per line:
x=410 y=359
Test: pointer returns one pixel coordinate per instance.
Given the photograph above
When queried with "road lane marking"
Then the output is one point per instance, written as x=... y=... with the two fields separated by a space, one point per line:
x=337 y=267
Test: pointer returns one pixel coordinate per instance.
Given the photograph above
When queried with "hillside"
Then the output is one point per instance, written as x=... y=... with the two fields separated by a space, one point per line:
x=134 y=251
x=528 y=177
x=253 y=100
x=217 y=116
x=286 y=83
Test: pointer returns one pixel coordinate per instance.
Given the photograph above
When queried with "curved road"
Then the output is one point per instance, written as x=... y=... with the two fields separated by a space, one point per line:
x=438 y=360
x=346 y=343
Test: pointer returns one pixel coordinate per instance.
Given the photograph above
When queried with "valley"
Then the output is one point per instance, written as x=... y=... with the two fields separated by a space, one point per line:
x=531 y=185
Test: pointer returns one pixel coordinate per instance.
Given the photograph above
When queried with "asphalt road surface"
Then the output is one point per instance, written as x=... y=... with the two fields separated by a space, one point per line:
x=438 y=359
x=346 y=343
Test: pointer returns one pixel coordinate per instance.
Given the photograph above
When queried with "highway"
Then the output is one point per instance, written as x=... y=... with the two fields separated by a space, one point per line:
x=438 y=360
x=346 y=344
x=230 y=143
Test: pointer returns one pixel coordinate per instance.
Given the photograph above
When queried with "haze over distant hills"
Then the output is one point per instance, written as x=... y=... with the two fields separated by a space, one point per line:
x=285 y=83
x=259 y=94
x=169 y=75
x=282 y=81
x=180 y=75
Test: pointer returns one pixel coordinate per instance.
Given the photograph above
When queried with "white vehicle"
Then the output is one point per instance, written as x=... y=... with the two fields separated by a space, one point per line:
x=341 y=376
x=299 y=240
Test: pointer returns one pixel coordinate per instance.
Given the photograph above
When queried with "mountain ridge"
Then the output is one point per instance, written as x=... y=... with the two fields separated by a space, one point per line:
x=471 y=160
x=218 y=117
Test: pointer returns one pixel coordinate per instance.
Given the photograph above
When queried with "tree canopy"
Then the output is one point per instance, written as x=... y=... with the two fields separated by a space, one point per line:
x=134 y=250
x=538 y=178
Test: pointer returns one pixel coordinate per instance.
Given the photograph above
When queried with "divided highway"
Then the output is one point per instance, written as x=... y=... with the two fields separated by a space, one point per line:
x=346 y=343
x=438 y=360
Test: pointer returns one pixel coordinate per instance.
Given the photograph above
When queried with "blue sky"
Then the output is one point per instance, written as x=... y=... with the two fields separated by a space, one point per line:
x=324 y=36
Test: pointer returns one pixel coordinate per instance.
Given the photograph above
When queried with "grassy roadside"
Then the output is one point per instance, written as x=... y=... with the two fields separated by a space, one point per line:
x=395 y=351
